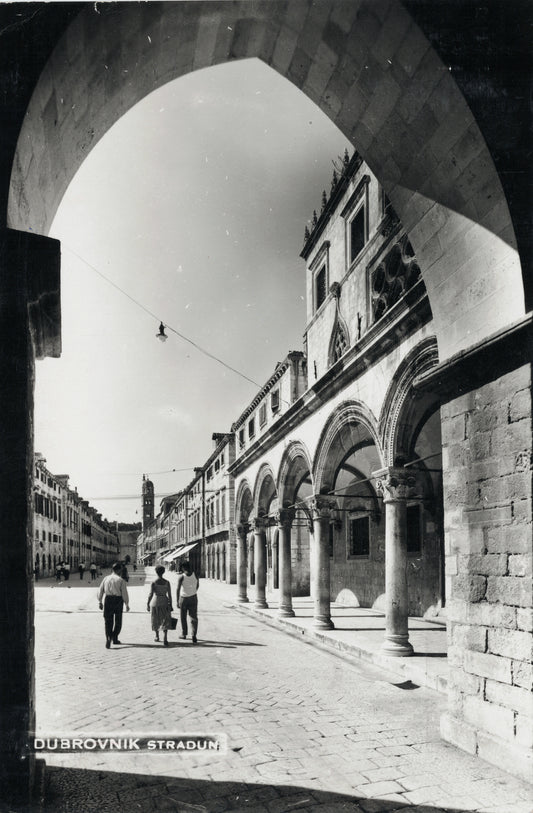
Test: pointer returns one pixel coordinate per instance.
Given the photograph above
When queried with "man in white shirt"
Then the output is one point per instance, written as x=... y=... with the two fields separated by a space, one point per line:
x=114 y=593
x=187 y=597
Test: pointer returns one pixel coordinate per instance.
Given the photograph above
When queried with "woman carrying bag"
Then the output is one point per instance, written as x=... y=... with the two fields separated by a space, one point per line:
x=160 y=605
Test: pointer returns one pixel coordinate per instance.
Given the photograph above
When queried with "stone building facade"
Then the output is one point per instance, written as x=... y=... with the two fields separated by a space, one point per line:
x=350 y=434
x=407 y=83
x=66 y=528
x=48 y=512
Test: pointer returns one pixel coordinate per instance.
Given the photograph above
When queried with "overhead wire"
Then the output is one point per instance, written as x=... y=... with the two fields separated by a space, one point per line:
x=165 y=324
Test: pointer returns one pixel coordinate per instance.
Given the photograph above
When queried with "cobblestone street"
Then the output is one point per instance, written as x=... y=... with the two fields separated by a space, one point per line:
x=306 y=730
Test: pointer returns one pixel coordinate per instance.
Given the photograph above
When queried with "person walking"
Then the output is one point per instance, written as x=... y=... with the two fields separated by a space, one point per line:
x=81 y=570
x=187 y=590
x=93 y=571
x=114 y=593
x=66 y=570
x=160 y=604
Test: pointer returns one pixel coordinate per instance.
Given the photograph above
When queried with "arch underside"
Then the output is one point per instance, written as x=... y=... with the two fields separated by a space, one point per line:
x=365 y=64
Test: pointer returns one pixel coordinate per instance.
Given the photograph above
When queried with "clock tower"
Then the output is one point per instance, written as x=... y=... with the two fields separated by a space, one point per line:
x=148 y=502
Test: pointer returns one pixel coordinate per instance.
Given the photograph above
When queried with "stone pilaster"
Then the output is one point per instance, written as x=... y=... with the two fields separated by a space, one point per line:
x=30 y=319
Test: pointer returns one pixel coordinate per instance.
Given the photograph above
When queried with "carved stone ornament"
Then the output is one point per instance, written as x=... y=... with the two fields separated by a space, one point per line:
x=322 y=506
x=397 y=484
x=243 y=529
x=285 y=517
x=260 y=523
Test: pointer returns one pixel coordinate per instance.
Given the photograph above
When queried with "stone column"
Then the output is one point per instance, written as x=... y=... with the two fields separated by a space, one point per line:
x=321 y=508
x=275 y=561
x=285 y=518
x=242 y=562
x=30 y=318
x=260 y=524
x=397 y=486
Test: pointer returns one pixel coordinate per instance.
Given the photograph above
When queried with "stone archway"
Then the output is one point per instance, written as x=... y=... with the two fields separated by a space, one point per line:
x=367 y=65
x=295 y=488
x=371 y=68
x=411 y=437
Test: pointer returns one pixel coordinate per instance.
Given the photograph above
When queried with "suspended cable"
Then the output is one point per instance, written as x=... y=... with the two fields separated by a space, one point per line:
x=169 y=327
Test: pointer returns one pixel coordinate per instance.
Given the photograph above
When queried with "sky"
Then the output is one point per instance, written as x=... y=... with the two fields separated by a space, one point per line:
x=191 y=210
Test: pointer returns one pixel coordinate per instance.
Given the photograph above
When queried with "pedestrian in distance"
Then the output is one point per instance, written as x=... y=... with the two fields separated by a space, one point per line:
x=134 y=567
x=59 y=569
x=124 y=572
x=159 y=604
x=93 y=571
x=187 y=590
x=112 y=596
x=81 y=570
x=66 y=571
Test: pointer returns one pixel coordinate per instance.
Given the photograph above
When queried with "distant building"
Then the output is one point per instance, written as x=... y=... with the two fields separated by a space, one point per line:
x=127 y=539
x=65 y=527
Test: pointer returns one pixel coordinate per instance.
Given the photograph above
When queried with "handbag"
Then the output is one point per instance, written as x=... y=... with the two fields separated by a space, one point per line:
x=173 y=622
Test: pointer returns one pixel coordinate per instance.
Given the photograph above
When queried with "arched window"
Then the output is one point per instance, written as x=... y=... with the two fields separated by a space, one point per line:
x=339 y=344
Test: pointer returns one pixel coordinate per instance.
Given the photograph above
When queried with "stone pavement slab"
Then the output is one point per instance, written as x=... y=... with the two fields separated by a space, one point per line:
x=300 y=722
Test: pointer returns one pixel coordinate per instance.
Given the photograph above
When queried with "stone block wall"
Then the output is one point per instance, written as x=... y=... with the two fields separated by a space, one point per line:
x=487 y=435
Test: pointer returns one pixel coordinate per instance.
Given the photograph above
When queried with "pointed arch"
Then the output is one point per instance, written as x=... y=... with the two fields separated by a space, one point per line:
x=402 y=404
x=243 y=502
x=339 y=341
x=265 y=490
x=295 y=464
x=440 y=198
x=352 y=424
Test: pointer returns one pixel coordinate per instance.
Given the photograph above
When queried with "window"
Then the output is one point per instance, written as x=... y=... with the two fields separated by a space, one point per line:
x=274 y=400
x=262 y=414
x=320 y=288
x=251 y=428
x=241 y=438
x=209 y=472
x=359 y=542
x=414 y=537
x=357 y=233
x=340 y=344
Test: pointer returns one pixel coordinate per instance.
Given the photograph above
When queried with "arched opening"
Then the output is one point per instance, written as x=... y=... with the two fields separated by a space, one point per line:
x=296 y=488
x=356 y=530
x=265 y=509
x=405 y=114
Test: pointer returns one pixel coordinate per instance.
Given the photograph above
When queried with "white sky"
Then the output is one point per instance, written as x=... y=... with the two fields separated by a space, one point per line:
x=195 y=205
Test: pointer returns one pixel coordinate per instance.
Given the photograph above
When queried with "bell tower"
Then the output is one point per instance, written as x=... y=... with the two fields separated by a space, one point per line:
x=148 y=502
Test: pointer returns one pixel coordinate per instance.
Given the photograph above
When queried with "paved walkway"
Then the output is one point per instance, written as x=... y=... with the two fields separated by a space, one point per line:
x=305 y=729
x=358 y=633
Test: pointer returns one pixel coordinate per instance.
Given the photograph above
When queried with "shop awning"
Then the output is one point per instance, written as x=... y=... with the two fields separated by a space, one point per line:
x=180 y=552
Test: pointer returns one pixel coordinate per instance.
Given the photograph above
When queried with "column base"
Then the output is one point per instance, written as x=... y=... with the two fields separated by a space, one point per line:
x=286 y=612
x=261 y=604
x=243 y=599
x=397 y=646
x=322 y=622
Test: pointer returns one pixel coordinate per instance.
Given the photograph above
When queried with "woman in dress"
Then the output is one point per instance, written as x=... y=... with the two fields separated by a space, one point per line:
x=160 y=604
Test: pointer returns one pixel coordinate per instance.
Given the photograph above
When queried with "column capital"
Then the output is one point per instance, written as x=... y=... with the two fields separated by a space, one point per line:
x=397 y=484
x=285 y=517
x=260 y=523
x=321 y=506
x=243 y=529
